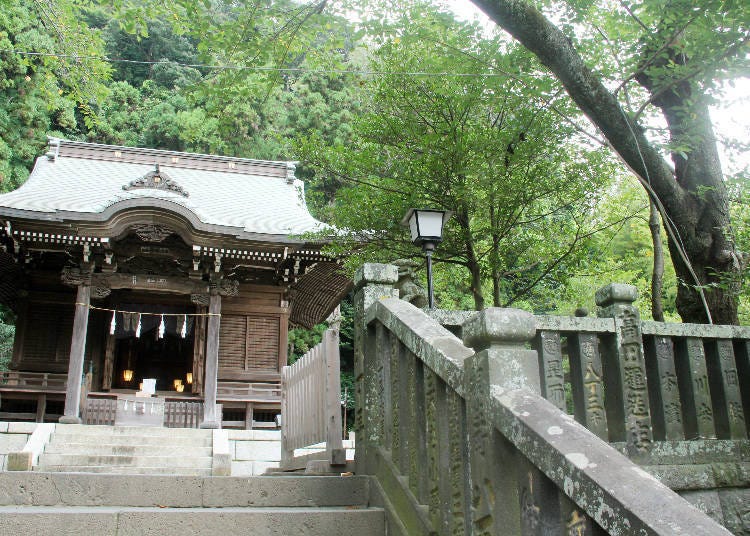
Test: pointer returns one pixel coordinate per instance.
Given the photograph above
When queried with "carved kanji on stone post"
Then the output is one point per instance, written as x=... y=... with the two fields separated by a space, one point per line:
x=628 y=412
x=501 y=362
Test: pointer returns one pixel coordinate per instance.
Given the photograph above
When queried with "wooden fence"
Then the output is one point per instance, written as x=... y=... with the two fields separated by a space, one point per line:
x=184 y=414
x=99 y=410
x=311 y=405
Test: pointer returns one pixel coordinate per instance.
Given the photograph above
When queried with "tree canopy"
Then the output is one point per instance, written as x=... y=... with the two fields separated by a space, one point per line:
x=390 y=105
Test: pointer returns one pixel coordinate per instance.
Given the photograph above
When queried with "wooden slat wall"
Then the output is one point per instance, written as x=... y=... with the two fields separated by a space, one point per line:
x=248 y=343
x=47 y=336
x=262 y=343
x=232 y=342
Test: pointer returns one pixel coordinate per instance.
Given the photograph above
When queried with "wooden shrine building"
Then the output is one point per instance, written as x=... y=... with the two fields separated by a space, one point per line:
x=124 y=264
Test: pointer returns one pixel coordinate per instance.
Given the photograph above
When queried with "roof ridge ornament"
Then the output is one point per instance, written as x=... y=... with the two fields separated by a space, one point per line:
x=291 y=167
x=157 y=180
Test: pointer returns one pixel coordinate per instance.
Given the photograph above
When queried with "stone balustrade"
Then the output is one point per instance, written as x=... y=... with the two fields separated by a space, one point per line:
x=521 y=427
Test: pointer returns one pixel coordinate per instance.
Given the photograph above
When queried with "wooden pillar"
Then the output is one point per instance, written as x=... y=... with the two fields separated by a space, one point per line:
x=77 y=351
x=210 y=417
x=109 y=363
x=199 y=350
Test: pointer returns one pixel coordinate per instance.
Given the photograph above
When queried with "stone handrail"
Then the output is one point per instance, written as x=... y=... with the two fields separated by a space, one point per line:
x=311 y=405
x=665 y=382
x=461 y=441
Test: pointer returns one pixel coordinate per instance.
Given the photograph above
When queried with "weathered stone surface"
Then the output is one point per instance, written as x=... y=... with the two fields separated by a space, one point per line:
x=21 y=427
x=286 y=491
x=735 y=506
x=684 y=477
x=616 y=293
x=53 y=521
x=694 y=452
x=495 y=326
x=258 y=451
x=732 y=475
x=375 y=273
x=20 y=461
x=12 y=442
x=244 y=468
x=620 y=496
x=312 y=522
x=707 y=502
x=442 y=351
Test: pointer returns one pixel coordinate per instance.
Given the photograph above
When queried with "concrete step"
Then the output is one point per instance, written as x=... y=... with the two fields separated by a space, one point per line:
x=82 y=489
x=134 y=438
x=145 y=521
x=78 y=460
x=122 y=449
x=126 y=470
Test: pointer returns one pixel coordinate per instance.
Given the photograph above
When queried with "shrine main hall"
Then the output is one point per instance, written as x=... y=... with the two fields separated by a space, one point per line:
x=187 y=270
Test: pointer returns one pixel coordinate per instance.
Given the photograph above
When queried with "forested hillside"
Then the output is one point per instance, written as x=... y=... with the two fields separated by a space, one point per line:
x=395 y=105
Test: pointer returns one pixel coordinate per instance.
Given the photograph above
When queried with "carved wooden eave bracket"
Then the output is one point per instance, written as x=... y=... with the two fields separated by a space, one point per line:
x=199 y=298
x=75 y=276
x=225 y=287
x=157 y=180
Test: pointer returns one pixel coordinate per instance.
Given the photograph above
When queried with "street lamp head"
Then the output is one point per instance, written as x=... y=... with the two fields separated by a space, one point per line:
x=426 y=226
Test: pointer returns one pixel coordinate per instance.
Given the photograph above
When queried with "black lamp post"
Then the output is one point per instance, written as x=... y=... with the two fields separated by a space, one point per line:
x=426 y=226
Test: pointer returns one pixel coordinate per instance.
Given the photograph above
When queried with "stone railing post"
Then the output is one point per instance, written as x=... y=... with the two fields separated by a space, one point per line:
x=628 y=412
x=501 y=362
x=371 y=283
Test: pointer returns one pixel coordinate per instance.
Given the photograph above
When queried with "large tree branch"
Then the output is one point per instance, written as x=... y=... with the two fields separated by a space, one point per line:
x=556 y=52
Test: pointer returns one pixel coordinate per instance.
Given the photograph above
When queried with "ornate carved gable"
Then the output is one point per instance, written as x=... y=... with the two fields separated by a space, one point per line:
x=149 y=232
x=157 y=180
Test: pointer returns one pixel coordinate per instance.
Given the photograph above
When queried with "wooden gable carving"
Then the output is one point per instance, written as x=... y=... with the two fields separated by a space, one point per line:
x=157 y=180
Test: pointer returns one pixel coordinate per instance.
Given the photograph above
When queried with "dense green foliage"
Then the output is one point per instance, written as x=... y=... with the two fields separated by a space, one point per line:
x=381 y=121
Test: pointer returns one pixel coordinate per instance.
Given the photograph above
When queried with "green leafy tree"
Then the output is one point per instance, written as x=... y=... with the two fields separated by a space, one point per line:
x=664 y=59
x=488 y=148
x=41 y=94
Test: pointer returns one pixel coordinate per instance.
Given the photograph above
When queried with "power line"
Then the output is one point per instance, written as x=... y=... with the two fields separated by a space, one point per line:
x=290 y=70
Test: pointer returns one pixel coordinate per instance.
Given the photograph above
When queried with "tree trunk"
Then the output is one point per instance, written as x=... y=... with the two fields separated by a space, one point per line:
x=462 y=218
x=657 y=274
x=495 y=254
x=695 y=201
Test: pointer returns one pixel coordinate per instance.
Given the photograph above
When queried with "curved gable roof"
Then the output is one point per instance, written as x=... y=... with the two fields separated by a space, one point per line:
x=82 y=181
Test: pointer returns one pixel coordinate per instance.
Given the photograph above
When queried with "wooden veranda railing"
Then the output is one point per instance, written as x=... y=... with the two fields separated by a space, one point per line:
x=462 y=441
x=184 y=413
x=311 y=405
x=102 y=409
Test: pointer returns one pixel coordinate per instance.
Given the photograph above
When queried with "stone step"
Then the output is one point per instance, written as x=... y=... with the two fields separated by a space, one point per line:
x=131 y=430
x=126 y=470
x=78 y=460
x=145 y=521
x=126 y=449
x=201 y=441
x=82 y=489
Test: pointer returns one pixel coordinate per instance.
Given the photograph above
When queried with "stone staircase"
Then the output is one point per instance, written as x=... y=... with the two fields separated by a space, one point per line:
x=117 y=505
x=128 y=450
